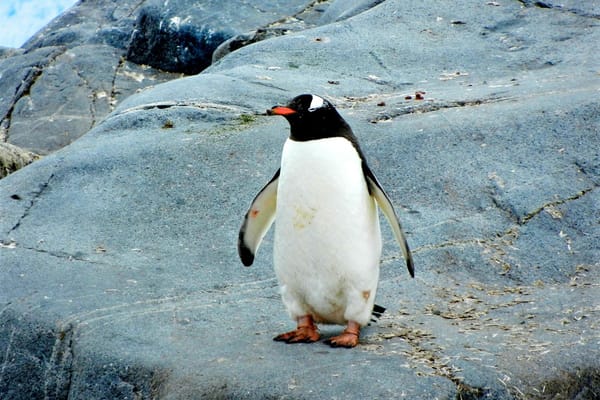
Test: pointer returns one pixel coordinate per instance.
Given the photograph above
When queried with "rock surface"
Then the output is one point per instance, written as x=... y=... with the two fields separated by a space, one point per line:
x=13 y=158
x=74 y=72
x=182 y=36
x=119 y=273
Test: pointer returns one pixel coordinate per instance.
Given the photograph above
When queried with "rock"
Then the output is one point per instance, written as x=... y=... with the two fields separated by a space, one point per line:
x=13 y=158
x=344 y=9
x=59 y=93
x=307 y=18
x=180 y=44
x=71 y=74
x=182 y=36
x=120 y=277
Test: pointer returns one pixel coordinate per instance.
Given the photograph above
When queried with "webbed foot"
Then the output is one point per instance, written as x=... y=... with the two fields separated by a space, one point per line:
x=306 y=332
x=348 y=338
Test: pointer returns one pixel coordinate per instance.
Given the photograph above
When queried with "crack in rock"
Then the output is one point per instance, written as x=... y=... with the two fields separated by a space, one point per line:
x=61 y=254
x=173 y=104
x=551 y=205
x=431 y=106
x=24 y=89
x=112 y=101
x=136 y=8
x=520 y=221
x=496 y=245
x=590 y=170
x=36 y=195
x=93 y=97
x=424 y=352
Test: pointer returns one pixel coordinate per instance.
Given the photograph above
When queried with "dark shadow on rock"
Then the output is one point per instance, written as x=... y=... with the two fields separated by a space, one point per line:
x=173 y=44
x=581 y=384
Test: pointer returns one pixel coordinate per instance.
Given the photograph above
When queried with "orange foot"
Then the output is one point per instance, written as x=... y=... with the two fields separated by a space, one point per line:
x=306 y=332
x=348 y=338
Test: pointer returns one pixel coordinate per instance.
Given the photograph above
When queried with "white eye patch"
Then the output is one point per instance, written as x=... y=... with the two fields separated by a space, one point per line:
x=316 y=103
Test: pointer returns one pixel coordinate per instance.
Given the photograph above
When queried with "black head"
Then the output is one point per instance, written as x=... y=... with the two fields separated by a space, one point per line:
x=312 y=117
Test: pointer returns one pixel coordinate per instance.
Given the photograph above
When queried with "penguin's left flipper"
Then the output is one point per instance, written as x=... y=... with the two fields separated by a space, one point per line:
x=257 y=221
x=388 y=210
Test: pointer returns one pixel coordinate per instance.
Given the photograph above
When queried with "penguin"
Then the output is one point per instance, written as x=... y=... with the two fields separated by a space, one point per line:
x=324 y=200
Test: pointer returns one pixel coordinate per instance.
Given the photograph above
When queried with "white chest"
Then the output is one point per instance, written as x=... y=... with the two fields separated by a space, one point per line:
x=326 y=222
x=327 y=240
x=320 y=174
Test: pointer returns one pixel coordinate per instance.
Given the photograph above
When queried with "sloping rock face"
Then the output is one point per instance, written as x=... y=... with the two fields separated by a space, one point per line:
x=74 y=72
x=69 y=76
x=119 y=273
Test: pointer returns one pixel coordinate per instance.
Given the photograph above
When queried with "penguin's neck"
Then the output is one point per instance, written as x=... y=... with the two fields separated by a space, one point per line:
x=314 y=128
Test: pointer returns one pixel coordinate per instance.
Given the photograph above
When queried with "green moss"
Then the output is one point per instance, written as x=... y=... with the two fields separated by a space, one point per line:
x=243 y=121
x=246 y=119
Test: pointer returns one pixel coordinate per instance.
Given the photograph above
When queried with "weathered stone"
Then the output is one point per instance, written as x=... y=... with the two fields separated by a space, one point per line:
x=12 y=158
x=173 y=44
x=344 y=9
x=119 y=273
x=71 y=74
x=182 y=36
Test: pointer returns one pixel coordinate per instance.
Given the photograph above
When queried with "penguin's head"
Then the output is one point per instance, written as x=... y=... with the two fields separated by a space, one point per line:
x=303 y=106
x=312 y=117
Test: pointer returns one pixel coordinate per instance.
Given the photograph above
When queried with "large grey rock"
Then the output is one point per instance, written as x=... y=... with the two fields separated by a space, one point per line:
x=182 y=36
x=69 y=76
x=120 y=277
x=72 y=73
x=101 y=22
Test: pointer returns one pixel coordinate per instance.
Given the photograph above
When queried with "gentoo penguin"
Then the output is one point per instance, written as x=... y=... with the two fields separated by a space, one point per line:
x=327 y=243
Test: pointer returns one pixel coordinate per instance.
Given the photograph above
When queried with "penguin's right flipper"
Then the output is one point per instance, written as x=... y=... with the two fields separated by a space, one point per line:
x=257 y=221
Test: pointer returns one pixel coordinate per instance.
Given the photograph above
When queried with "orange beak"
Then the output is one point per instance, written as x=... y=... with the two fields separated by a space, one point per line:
x=280 y=110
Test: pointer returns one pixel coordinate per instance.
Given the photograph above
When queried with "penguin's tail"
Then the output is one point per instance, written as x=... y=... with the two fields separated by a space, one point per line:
x=377 y=312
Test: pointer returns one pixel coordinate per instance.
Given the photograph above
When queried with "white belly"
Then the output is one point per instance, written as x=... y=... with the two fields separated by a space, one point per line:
x=327 y=240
